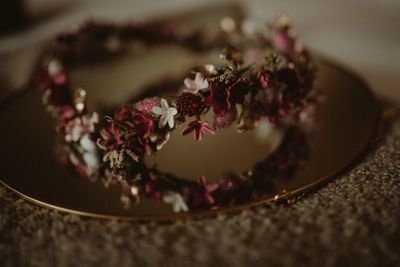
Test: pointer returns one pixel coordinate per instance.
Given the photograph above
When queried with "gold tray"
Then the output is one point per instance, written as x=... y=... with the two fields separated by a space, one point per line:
x=345 y=125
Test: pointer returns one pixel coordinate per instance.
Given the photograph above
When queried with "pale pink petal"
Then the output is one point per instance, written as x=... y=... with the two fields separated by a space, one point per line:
x=202 y=180
x=198 y=135
x=208 y=130
x=212 y=187
x=190 y=84
x=209 y=199
x=200 y=82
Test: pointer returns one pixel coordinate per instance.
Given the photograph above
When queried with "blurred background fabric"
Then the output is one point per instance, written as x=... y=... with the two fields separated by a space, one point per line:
x=361 y=34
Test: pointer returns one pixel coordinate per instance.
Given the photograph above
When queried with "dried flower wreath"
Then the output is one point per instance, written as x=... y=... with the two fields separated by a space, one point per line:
x=265 y=75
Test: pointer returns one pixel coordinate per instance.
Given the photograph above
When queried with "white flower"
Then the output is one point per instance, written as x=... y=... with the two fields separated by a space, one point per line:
x=91 y=160
x=87 y=144
x=54 y=67
x=177 y=201
x=90 y=156
x=166 y=114
x=197 y=84
x=264 y=130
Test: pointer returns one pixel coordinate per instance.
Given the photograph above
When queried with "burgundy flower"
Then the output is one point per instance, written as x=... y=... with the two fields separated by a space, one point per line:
x=265 y=79
x=223 y=96
x=124 y=113
x=111 y=137
x=199 y=127
x=189 y=104
x=276 y=109
x=139 y=146
x=141 y=125
x=152 y=189
x=203 y=194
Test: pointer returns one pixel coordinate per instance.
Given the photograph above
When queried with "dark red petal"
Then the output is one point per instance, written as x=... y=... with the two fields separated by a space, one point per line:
x=187 y=130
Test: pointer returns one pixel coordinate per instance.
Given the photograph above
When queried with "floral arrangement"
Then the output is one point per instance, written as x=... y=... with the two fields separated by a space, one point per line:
x=262 y=76
x=183 y=195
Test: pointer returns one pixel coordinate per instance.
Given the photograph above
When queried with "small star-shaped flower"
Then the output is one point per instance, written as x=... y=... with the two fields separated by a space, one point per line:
x=199 y=83
x=54 y=67
x=166 y=114
x=206 y=190
x=199 y=127
x=177 y=201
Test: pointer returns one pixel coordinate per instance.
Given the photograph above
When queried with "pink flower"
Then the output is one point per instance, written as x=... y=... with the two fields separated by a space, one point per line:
x=204 y=192
x=199 y=127
x=199 y=83
x=76 y=128
x=67 y=112
x=153 y=189
x=253 y=56
x=111 y=137
x=285 y=43
x=147 y=104
x=265 y=79
x=60 y=79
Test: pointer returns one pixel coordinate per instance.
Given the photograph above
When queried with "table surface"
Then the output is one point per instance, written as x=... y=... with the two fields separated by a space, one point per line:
x=352 y=221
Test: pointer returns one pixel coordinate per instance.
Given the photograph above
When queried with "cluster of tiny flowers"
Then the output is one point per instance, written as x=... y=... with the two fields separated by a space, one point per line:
x=74 y=124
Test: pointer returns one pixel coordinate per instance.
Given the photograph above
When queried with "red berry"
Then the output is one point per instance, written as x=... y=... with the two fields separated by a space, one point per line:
x=189 y=104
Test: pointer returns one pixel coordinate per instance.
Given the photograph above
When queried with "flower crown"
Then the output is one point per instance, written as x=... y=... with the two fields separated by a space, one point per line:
x=149 y=183
x=263 y=75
